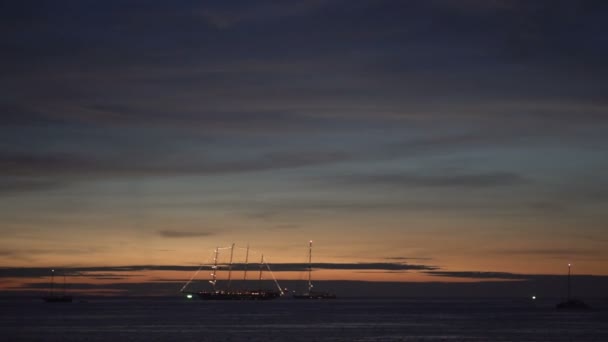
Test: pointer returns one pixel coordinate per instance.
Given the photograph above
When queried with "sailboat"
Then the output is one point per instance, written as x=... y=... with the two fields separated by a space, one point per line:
x=310 y=294
x=57 y=298
x=571 y=303
x=235 y=294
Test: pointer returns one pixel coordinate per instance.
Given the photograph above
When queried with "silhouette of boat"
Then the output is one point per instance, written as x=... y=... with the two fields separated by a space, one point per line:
x=235 y=294
x=55 y=298
x=571 y=303
x=238 y=295
x=310 y=294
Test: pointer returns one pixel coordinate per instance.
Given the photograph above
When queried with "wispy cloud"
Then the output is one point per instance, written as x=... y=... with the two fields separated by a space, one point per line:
x=10 y=185
x=480 y=275
x=552 y=252
x=26 y=253
x=401 y=258
x=353 y=266
x=448 y=179
x=73 y=165
x=183 y=234
x=500 y=275
x=29 y=172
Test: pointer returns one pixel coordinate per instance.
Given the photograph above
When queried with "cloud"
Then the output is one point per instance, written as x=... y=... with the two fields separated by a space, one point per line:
x=480 y=275
x=489 y=131
x=187 y=115
x=106 y=271
x=448 y=179
x=407 y=258
x=10 y=185
x=19 y=114
x=554 y=252
x=502 y=275
x=438 y=204
x=353 y=266
x=182 y=234
x=29 y=172
x=27 y=253
x=226 y=17
x=23 y=165
x=392 y=57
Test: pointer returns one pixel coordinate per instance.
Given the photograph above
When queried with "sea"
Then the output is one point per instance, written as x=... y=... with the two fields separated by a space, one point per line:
x=344 y=319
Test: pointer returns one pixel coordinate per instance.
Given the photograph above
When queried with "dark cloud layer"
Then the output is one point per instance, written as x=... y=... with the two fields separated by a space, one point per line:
x=481 y=275
x=130 y=271
x=266 y=56
x=27 y=272
x=238 y=68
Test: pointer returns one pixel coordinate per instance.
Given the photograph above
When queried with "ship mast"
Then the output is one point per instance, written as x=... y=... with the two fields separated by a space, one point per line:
x=309 y=266
x=214 y=274
x=569 y=266
x=261 y=269
x=246 y=261
x=230 y=265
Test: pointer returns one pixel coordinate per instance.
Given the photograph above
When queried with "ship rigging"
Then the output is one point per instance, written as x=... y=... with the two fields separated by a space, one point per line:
x=229 y=292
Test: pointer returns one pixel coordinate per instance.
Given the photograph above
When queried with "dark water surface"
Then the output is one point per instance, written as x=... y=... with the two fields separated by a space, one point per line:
x=352 y=319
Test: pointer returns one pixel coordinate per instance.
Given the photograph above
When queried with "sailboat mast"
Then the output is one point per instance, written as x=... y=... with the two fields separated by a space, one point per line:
x=246 y=261
x=214 y=274
x=230 y=265
x=309 y=266
x=261 y=269
x=569 y=266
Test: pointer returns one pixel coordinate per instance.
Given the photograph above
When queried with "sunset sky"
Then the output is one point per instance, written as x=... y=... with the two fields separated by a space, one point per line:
x=411 y=140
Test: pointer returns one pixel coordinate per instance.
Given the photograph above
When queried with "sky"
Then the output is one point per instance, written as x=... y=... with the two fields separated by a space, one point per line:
x=412 y=141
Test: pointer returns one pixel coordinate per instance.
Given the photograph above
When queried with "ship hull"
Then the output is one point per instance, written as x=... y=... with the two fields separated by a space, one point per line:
x=239 y=295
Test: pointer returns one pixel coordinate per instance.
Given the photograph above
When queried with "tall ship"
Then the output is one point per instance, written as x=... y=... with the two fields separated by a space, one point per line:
x=228 y=293
x=571 y=303
x=310 y=294
x=53 y=297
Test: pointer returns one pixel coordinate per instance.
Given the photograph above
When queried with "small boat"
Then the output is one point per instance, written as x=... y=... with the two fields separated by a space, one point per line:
x=234 y=294
x=310 y=294
x=571 y=303
x=57 y=298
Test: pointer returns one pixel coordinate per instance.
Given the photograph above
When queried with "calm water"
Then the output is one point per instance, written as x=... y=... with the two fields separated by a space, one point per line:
x=398 y=319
